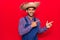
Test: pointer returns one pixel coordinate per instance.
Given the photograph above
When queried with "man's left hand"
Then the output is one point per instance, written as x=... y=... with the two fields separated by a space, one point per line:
x=49 y=24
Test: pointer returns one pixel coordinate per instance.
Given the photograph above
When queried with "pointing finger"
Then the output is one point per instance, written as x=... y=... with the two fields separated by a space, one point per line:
x=37 y=21
x=51 y=22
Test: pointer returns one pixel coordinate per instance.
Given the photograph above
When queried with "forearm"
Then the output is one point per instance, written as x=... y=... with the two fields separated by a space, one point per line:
x=23 y=31
x=41 y=30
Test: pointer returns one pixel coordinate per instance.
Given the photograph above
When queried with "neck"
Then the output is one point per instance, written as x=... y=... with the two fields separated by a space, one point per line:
x=30 y=17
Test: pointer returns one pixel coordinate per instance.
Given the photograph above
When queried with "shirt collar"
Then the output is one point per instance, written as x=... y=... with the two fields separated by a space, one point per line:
x=28 y=17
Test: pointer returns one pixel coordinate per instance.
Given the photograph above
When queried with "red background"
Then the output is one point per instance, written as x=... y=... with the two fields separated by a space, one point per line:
x=10 y=13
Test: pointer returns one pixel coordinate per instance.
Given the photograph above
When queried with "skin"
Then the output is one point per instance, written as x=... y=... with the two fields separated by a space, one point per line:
x=30 y=12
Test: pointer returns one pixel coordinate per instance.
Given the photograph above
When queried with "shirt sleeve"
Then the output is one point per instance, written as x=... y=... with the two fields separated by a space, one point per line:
x=21 y=28
x=41 y=30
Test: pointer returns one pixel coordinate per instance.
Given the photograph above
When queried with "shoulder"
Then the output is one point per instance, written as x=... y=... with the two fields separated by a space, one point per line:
x=37 y=19
x=22 y=19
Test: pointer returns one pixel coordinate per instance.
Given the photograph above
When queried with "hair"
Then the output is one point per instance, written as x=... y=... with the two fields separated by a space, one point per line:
x=30 y=7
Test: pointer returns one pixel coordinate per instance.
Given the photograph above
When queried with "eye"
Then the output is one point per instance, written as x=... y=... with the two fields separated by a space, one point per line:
x=29 y=9
x=33 y=9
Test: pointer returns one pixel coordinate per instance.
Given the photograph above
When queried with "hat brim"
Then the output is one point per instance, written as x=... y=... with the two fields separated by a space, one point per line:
x=29 y=4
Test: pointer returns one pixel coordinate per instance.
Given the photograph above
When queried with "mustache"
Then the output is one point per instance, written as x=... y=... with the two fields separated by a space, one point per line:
x=31 y=12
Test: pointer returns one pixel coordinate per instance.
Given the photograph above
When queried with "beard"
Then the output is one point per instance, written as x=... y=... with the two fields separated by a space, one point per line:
x=30 y=15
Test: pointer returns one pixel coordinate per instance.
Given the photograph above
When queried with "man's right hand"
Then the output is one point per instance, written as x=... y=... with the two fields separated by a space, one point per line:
x=34 y=24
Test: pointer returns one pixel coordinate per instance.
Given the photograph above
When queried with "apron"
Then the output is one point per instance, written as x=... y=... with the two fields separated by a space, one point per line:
x=32 y=34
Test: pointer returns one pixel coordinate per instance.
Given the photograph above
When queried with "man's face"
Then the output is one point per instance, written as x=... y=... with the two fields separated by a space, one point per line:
x=30 y=11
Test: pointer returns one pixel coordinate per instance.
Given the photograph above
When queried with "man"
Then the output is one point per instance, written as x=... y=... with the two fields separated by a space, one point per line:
x=29 y=26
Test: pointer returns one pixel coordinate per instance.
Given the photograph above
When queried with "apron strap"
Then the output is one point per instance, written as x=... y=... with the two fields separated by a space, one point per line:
x=27 y=20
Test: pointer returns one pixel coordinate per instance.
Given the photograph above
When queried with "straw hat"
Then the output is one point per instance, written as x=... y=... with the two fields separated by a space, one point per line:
x=29 y=4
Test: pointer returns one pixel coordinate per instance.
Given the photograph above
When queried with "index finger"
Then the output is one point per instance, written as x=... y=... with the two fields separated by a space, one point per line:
x=51 y=22
x=37 y=21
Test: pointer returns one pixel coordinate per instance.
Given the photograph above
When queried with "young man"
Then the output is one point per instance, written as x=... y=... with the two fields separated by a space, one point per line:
x=29 y=26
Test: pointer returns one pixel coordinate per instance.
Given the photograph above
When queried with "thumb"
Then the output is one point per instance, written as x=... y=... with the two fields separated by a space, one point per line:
x=47 y=21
